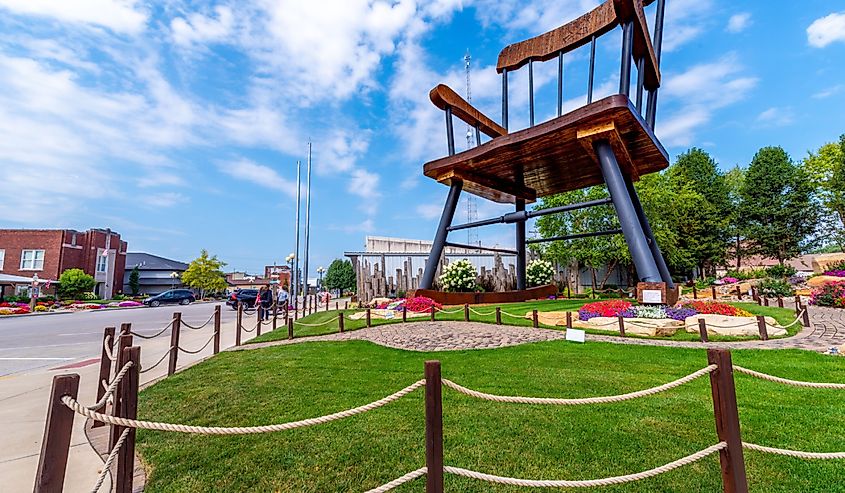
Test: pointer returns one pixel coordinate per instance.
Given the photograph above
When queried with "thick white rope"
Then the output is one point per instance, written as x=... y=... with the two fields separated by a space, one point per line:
x=254 y=327
x=794 y=453
x=142 y=336
x=163 y=357
x=473 y=310
x=399 y=481
x=237 y=430
x=200 y=349
x=587 y=483
x=107 y=349
x=448 y=312
x=296 y=322
x=197 y=327
x=581 y=401
x=109 y=460
x=786 y=381
x=511 y=314
x=112 y=387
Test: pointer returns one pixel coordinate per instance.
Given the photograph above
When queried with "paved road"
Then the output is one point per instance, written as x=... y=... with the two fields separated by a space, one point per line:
x=46 y=341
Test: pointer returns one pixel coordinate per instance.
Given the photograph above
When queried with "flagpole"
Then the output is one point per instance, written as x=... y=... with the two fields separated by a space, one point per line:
x=307 y=219
x=295 y=290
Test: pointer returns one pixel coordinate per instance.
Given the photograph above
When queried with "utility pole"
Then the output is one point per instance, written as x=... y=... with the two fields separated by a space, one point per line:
x=295 y=285
x=307 y=218
x=472 y=206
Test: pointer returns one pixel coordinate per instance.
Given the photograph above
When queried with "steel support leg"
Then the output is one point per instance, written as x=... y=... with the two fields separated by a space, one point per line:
x=652 y=242
x=632 y=229
x=427 y=280
x=520 y=247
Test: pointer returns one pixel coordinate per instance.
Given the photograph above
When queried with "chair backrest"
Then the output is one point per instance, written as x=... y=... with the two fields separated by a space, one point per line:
x=637 y=45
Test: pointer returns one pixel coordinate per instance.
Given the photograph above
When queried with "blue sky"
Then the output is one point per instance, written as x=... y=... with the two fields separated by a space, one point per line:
x=179 y=123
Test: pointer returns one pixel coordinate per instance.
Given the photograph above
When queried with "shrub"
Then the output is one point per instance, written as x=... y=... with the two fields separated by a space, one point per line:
x=459 y=276
x=88 y=296
x=539 y=273
x=610 y=308
x=74 y=282
x=771 y=287
x=40 y=308
x=781 y=271
x=829 y=294
x=730 y=280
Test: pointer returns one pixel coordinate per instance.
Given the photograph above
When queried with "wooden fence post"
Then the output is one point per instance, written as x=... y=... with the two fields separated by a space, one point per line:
x=568 y=320
x=52 y=463
x=340 y=321
x=761 y=326
x=275 y=314
x=806 y=316
x=466 y=312
x=175 y=329
x=498 y=315
x=259 y=318
x=433 y=311
x=238 y=322
x=621 y=325
x=290 y=328
x=765 y=301
x=780 y=301
x=369 y=321
x=404 y=314
x=129 y=409
x=694 y=292
x=105 y=367
x=123 y=342
x=125 y=329
x=738 y=293
x=346 y=305
x=727 y=421
x=702 y=330
x=797 y=305
x=713 y=292
x=433 y=428
x=217 y=324
x=568 y=292
x=535 y=322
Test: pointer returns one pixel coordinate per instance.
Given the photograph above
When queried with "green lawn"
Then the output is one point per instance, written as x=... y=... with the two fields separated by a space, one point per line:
x=782 y=315
x=287 y=383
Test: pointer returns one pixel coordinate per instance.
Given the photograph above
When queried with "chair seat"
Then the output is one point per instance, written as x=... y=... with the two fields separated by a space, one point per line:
x=555 y=156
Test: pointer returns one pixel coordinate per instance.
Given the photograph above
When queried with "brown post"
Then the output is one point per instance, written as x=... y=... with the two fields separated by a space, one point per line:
x=702 y=330
x=433 y=428
x=217 y=315
x=275 y=314
x=694 y=292
x=466 y=312
x=129 y=409
x=336 y=305
x=290 y=328
x=238 y=324
x=105 y=367
x=761 y=326
x=369 y=321
x=123 y=342
x=780 y=301
x=621 y=325
x=713 y=292
x=125 y=329
x=259 y=317
x=52 y=463
x=568 y=320
x=340 y=321
x=738 y=293
x=755 y=295
x=433 y=310
x=346 y=305
x=535 y=322
x=727 y=421
x=498 y=315
x=327 y=302
x=174 y=343
x=806 y=317
x=404 y=314
x=765 y=301
x=797 y=304
x=287 y=311
x=568 y=293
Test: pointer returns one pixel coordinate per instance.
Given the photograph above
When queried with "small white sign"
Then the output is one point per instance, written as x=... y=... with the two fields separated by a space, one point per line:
x=652 y=296
x=575 y=335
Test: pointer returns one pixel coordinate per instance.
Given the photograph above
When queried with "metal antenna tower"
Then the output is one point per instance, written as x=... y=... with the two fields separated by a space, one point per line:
x=472 y=206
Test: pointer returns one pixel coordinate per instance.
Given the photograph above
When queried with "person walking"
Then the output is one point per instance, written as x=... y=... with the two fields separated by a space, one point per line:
x=265 y=297
x=282 y=298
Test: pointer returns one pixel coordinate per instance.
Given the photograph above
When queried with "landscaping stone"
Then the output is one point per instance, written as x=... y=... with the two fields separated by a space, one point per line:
x=649 y=327
x=552 y=318
x=819 y=280
x=386 y=314
x=725 y=325
x=822 y=262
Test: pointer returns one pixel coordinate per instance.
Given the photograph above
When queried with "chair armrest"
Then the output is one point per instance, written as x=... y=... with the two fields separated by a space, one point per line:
x=444 y=97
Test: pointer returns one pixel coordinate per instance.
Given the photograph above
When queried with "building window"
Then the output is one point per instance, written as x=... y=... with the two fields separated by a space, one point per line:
x=102 y=261
x=2 y=258
x=32 y=259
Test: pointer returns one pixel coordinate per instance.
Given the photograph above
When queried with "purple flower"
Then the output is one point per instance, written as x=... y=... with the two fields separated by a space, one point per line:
x=680 y=313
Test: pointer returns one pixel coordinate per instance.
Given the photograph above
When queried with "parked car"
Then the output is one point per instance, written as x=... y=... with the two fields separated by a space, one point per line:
x=245 y=296
x=181 y=296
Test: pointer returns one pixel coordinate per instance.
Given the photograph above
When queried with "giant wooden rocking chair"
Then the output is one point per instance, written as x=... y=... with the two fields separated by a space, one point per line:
x=607 y=141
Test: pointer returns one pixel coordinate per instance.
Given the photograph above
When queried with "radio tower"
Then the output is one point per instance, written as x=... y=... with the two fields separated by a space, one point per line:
x=472 y=206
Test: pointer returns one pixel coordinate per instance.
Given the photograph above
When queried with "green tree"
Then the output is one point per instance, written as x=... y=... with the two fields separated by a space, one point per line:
x=134 y=281
x=340 y=275
x=204 y=273
x=734 y=179
x=74 y=282
x=826 y=169
x=778 y=214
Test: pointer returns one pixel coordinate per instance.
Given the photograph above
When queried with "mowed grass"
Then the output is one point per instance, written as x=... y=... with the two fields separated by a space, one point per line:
x=286 y=383
x=325 y=322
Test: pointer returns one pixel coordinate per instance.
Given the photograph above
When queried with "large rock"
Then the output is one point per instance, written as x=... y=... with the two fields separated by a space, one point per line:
x=725 y=325
x=822 y=262
x=551 y=318
x=376 y=313
x=649 y=327
x=819 y=280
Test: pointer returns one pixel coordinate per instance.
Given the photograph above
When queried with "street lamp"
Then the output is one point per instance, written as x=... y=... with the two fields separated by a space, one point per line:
x=173 y=276
x=320 y=271
x=33 y=292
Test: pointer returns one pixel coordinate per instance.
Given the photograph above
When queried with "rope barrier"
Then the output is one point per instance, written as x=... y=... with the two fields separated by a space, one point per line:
x=331 y=320
x=786 y=381
x=237 y=430
x=449 y=312
x=794 y=453
x=400 y=481
x=153 y=336
x=582 y=401
x=253 y=329
x=189 y=326
x=109 y=460
x=482 y=314
x=511 y=314
x=541 y=483
x=112 y=387
x=107 y=349
x=145 y=370
x=200 y=349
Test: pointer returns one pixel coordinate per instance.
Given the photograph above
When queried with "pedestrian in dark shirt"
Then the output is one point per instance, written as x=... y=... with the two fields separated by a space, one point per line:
x=265 y=297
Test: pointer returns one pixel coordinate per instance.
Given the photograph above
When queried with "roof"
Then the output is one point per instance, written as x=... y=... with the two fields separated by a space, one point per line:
x=10 y=279
x=147 y=261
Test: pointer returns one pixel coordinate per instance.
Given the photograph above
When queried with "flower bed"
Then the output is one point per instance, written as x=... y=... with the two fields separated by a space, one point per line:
x=420 y=304
x=829 y=294
x=715 y=308
x=14 y=308
x=835 y=273
x=615 y=308
x=610 y=308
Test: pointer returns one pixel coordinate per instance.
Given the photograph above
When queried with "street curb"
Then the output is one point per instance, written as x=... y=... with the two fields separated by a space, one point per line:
x=98 y=310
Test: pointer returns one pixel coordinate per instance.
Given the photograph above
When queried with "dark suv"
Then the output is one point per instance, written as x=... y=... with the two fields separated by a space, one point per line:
x=245 y=296
x=181 y=296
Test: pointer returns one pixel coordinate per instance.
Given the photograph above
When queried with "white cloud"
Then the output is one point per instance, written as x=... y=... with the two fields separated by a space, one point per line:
x=535 y=17
x=121 y=16
x=163 y=199
x=339 y=151
x=685 y=21
x=198 y=28
x=827 y=30
x=777 y=117
x=364 y=184
x=258 y=174
x=739 y=22
x=829 y=91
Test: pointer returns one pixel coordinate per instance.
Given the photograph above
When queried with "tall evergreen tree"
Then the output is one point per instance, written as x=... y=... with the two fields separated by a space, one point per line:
x=826 y=169
x=778 y=214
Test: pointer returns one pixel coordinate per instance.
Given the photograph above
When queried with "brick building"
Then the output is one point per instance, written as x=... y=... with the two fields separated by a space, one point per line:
x=49 y=252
